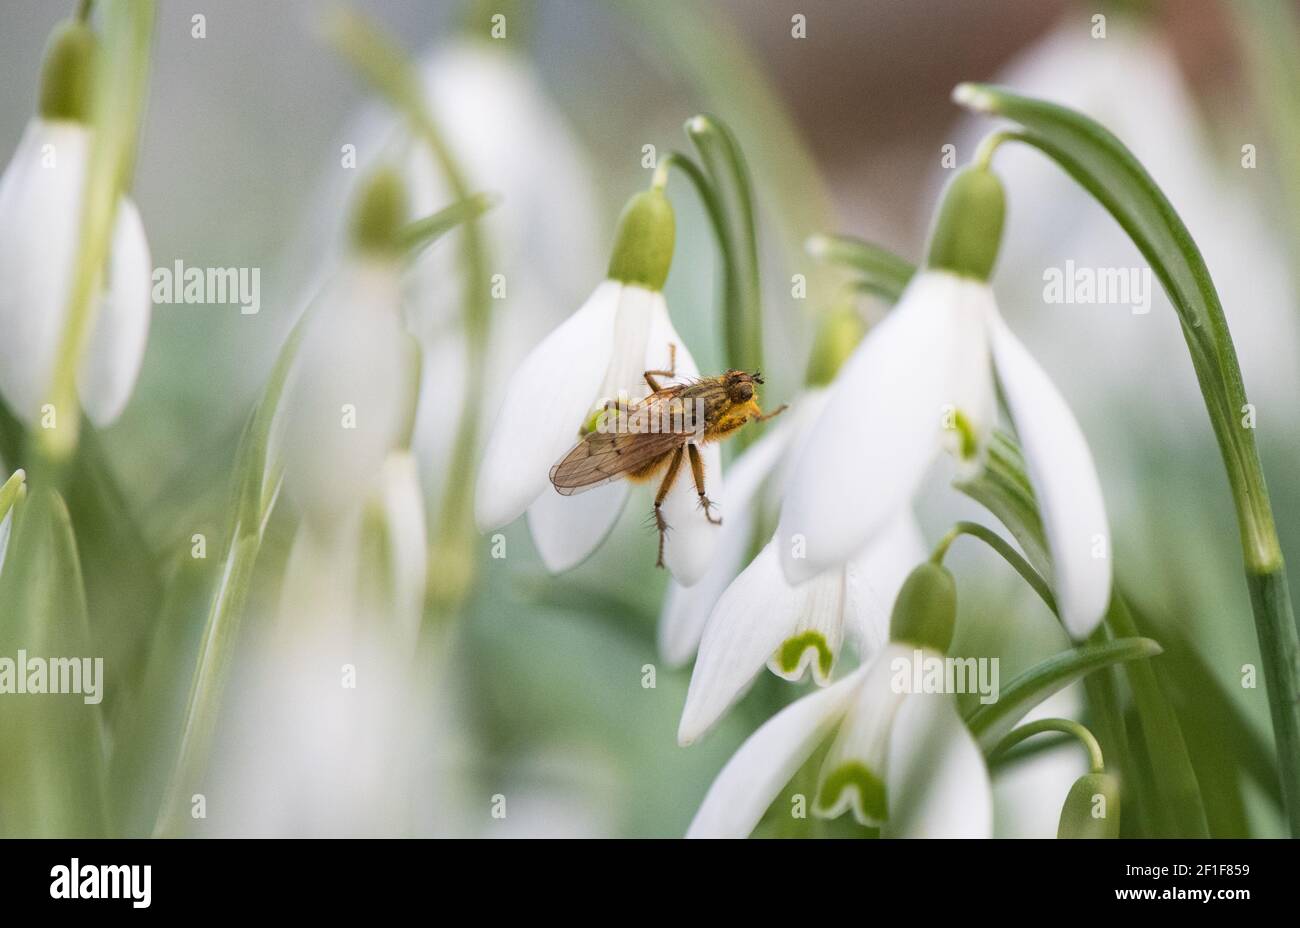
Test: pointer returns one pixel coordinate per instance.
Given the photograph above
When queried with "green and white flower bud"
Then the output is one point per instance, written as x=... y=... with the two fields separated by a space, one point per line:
x=380 y=215
x=967 y=231
x=67 y=76
x=925 y=611
x=12 y=493
x=643 y=245
x=1091 y=809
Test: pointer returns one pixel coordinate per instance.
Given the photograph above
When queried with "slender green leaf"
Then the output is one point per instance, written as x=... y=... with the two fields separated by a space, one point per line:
x=991 y=723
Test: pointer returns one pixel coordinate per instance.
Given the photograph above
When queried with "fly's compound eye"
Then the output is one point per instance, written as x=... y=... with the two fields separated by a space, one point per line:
x=742 y=393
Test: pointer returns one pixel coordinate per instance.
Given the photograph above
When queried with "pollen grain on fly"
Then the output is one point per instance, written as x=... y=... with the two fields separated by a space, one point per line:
x=640 y=440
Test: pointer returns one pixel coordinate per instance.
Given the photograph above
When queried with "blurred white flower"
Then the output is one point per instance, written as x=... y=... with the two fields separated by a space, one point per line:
x=903 y=760
x=921 y=378
x=1113 y=359
x=41 y=199
x=349 y=399
x=339 y=731
x=762 y=619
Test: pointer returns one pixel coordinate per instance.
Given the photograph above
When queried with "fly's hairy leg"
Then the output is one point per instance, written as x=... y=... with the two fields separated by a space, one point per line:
x=697 y=469
x=764 y=416
x=661 y=523
x=651 y=376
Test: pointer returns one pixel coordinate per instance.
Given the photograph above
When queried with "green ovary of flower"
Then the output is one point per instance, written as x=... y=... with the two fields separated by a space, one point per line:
x=854 y=775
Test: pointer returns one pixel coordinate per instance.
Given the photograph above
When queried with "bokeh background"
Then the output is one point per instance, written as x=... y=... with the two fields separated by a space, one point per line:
x=540 y=695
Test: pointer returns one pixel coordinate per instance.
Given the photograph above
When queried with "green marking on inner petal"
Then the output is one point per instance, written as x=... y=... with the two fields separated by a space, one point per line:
x=969 y=446
x=855 y=775
x=788 y=657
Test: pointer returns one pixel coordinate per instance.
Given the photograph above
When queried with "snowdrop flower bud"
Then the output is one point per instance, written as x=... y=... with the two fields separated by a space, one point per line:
x=926 y=609
x=1091 y=809
x=41 y=196
x=350 y=397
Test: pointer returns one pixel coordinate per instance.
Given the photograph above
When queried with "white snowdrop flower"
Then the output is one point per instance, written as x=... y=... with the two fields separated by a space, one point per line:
x=1135 y=89
x=598 y=355
x=491 y=105
x=901 y=757
x=41 y=199
x=349 y=400
x=924 y=379
x=762 y=619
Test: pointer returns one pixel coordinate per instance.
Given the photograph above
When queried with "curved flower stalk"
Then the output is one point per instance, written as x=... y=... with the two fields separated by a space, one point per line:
x=42 y=195
x=349 y=399
x=598 y=355
x=900 y=759
x=924 y=379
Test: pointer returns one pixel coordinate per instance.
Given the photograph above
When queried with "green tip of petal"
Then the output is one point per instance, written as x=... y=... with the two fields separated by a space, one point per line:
x=926 y=609
x=380 y=215
x=838 y=335
x=643 y=246
x=68 y=75
x=870 y=806
x=790 y=654
x=967 y=230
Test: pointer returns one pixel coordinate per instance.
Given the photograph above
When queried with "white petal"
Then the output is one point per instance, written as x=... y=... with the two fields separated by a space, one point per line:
x=686 y=609
x=879 y=432
x=349 y=398
x=874 y=577
x=116 y=347
x=547 y=400
x=854 y=772
x=6 y=526
x=566 y=529
x=937 y=782
x=402 y=505
x=40 y=222
x=970 y=378
x=1065 y=482
x=767 y=760
x=692 y=537
x=757 y=613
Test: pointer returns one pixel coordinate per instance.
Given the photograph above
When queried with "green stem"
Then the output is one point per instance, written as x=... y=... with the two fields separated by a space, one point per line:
x=742 y=296
x=1066 y=726
x=1002 y=547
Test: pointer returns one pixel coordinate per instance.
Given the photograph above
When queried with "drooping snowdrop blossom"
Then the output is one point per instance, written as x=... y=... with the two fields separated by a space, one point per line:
x=490 y=104
x=900 y=758
x=349 y=399
x=762 y=619
x=41 y=199
x=754 y=482
x=924 y=379
x=598 y=355
x=1136 y=89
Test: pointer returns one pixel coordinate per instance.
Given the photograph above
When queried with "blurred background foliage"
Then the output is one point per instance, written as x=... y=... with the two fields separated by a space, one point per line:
x=844 y=131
